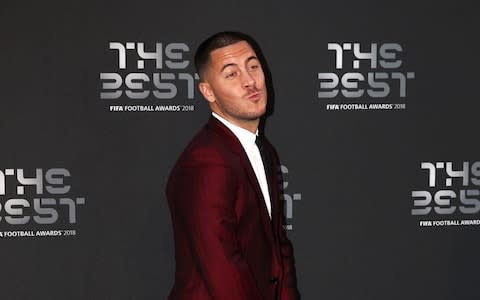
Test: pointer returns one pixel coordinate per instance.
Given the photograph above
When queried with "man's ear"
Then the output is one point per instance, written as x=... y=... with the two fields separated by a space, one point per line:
x=206 y=91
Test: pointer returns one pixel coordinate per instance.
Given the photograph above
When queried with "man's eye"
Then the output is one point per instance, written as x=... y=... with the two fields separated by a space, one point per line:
x=253 y=67
x=230 y=75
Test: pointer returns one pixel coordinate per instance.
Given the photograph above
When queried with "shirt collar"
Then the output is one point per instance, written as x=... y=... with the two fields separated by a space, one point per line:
x=246 y=138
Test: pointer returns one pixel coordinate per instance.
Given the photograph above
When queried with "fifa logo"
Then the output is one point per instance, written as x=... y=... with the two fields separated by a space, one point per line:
x=41 y=197
x=450 y=188
x=169 y=77
x=382 y=78
x=289 y=198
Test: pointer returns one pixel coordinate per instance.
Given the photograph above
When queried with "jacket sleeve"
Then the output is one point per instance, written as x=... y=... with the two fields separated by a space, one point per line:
x=204 y=196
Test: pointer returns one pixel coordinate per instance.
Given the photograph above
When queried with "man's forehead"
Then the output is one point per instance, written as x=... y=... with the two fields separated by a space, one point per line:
x=238 y=50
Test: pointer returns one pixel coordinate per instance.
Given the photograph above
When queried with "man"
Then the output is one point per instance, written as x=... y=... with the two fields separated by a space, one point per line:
x=223 y=193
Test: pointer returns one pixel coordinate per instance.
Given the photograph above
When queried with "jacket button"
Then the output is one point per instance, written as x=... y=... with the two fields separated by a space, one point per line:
x=274 y=280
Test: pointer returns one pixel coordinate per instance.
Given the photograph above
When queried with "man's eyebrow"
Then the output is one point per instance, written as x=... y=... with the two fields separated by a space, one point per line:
x=227 y=65
x=232 y=64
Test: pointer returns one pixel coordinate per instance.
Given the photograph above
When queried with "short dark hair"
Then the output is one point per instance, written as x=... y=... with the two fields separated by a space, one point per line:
x=216 y=41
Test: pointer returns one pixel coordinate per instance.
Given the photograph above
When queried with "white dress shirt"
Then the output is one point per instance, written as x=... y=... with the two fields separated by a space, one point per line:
x=247 y=139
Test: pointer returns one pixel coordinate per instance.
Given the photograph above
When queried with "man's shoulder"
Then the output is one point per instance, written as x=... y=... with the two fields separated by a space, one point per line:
x=208 y=146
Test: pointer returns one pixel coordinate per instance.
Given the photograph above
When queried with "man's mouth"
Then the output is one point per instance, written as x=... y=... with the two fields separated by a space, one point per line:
x=255 y=95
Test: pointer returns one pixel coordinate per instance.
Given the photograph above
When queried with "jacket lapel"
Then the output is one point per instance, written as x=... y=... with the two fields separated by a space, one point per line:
x=234 y=144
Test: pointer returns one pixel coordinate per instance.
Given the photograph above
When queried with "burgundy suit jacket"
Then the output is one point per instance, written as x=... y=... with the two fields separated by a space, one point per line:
x=226 y=246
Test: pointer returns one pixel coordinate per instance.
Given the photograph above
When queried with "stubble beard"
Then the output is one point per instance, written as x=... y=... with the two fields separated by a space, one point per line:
x=244 y=115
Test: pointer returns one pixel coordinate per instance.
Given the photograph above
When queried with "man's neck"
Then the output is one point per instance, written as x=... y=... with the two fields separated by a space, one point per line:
x=250 y=125
x=233 y=127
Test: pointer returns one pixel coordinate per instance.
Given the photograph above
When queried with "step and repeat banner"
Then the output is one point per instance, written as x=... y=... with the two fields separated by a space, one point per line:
x=374 y=114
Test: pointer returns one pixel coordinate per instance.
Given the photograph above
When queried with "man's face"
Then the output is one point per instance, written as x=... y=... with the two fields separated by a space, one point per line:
x=234 y=84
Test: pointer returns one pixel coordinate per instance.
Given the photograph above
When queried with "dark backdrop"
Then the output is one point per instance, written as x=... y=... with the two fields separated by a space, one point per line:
x=351 y=168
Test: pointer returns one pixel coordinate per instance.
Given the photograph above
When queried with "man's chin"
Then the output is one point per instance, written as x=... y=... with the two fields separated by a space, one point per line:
x=255 y=116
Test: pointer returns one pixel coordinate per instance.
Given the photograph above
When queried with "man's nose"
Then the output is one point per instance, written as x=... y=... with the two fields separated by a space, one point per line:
x=248 y=80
